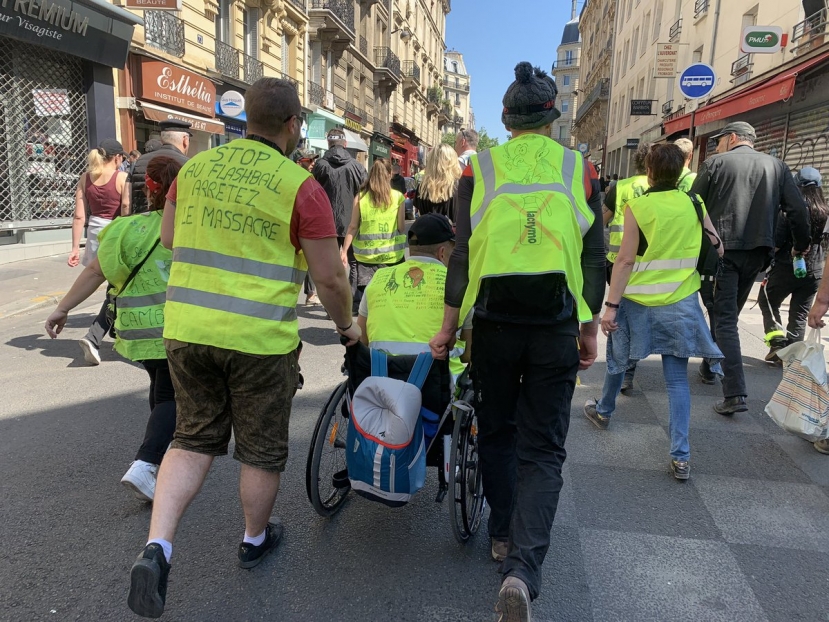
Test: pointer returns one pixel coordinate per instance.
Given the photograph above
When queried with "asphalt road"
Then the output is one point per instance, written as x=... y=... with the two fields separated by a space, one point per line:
x=745 y=539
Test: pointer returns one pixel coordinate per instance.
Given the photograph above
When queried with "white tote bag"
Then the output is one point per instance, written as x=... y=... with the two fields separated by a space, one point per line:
x=800 y=404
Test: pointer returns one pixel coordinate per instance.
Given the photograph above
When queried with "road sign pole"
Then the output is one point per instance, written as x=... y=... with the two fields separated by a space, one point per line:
x=693 y=115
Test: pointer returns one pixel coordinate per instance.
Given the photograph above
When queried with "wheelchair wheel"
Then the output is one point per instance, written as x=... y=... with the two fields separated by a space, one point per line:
x=468 y=504
x=324 y=482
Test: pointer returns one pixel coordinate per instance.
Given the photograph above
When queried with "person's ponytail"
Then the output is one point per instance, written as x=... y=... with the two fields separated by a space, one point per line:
x=95 y=162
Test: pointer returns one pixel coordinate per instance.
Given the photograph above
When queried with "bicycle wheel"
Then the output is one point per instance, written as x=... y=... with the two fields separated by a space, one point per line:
x=326 y=457
x=468 y=504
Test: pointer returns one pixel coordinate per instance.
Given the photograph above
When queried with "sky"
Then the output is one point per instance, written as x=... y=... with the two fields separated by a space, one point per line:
x=494 y=36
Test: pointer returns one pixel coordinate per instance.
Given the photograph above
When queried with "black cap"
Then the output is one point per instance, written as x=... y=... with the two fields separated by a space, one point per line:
x=431 y=229
x=174 y=125
x=741 y=128
x=111 y=147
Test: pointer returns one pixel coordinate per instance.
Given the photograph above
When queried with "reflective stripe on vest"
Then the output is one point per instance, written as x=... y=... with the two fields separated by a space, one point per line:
x=666 y=272
x=141 y=333
x=528 y=228
x=626 y=189
x=133 y=302
x=378 y=241
x=236 y=275
x=568 y=169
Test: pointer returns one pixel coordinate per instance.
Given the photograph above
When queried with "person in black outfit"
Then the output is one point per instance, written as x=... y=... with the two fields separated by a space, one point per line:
x=743 y=190
x=175 y=141
x=398 y=182
x=781 y=281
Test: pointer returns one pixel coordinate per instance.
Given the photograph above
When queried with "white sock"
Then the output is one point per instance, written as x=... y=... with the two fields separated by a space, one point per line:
x=166 y=546
x=256 y=540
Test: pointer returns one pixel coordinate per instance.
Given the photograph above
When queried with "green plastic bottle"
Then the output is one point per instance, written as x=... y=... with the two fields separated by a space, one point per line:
x=799 y=265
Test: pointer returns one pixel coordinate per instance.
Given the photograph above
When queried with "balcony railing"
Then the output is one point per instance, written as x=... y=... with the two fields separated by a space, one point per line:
x=285 y=76
x=343 y=9
x=566 y=62
x=316 y=93
x=411 y=70
x=700 y=8
x=811 y=32
x=164 y=31
x=434 y=95
x=300 y=4
x=600 y=91
x=667 y=107
x=352 y=109
x=254 y=68
x=675 y=30
x=363 y=46
x=385 y=58
x=227 y=59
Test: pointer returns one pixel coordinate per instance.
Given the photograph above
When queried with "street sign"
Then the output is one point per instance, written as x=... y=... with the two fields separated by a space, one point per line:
x=155 y=5
x=641 y=107
x=666 y=55
x=697 y=81
x=761 y=39
x=632 y=143
x=584 y=148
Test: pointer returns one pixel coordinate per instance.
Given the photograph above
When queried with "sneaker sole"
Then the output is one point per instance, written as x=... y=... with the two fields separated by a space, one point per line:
x=255 y=562
x=88 y=354
x=739 y=409
x=680 y=476
x=144 y=599
x=514 y=605
x=593 y=421
x=136 y=490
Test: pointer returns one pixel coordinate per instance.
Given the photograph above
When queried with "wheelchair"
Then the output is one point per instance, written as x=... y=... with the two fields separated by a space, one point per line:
x=454 y=449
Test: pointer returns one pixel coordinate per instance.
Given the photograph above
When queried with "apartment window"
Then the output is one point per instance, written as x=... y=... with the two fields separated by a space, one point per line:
x=250 y=21
x=565 y=105
x=569 y=57
x=640 y=92
x=635 y=46
x=622 y=114
x=630 y=9
x=630 y=98
x=565 y=81
x=613 y=119
x=657 y=20
x=562 y=132
x=618 y=65
x=625 y=57
x=645 y=33
x=457 y=99
x=222 y=22
x=696 y=57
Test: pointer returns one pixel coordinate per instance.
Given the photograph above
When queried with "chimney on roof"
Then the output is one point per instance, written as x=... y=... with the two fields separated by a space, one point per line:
x=573 y=16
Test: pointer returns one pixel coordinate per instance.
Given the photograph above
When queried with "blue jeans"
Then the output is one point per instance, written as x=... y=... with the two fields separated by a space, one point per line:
x=675 y=370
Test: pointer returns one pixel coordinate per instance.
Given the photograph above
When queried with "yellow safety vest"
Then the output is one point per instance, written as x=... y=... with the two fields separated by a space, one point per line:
x=378 y=241
x=686 y=179
x=139 y=325
x=667 y=272
x=626 y=189
x=405 y=304
x=236 y=276
x=529 y=214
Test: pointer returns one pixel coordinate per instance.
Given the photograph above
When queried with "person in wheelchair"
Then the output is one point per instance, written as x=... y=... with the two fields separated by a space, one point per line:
x=406 y=300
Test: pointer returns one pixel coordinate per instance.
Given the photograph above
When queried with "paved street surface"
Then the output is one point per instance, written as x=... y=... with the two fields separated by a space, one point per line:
x=746 y=539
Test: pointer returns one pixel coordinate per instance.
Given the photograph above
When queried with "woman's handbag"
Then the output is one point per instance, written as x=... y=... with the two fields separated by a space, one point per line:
x=708 y=264
x=800 y=404
x=112 y=308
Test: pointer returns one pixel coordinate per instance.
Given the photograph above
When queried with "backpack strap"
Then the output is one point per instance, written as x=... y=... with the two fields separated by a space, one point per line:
x=420 y=369
x=379 y=363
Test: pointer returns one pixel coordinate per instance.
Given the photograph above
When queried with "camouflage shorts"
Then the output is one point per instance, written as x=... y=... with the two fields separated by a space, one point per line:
x=221 y=390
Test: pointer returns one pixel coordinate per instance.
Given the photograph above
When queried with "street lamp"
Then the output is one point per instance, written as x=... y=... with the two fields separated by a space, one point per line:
x=405 y=33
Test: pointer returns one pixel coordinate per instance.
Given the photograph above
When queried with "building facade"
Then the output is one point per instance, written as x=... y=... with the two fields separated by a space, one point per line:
x=566 y=75
x=457 y=89
x=596 y=24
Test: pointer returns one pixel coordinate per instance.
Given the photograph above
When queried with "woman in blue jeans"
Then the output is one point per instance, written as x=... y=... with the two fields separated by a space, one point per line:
x=653 y=307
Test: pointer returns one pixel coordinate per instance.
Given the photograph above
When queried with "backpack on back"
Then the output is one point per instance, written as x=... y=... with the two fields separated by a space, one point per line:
x=385 y=447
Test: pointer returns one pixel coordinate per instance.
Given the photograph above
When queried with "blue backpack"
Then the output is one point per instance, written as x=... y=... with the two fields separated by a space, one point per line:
x=385 y=447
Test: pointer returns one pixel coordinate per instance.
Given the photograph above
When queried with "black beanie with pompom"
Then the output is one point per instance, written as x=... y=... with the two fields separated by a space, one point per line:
x=529 y=102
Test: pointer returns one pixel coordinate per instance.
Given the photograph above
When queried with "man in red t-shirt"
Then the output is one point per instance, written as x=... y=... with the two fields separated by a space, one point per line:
x=230 y=324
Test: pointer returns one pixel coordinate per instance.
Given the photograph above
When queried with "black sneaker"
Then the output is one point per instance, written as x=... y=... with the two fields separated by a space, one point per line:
x=731 y=405
x=681 y=469
x=627 y=382
x=250 y=555
x=148 y=582
x=591 y=413
x=706 y=375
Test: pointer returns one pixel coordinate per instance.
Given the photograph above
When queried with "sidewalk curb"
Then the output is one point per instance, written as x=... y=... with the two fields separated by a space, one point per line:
x=46 y=302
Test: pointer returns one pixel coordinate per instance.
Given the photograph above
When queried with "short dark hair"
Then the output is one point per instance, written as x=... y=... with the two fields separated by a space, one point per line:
x=639 y=157
x=269 y=104
x=664 y=164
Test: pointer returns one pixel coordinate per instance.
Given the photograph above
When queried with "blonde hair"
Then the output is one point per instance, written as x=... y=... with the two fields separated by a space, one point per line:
x=685 y=146
x=442 y=172
x=96 y=160
x=378 y=184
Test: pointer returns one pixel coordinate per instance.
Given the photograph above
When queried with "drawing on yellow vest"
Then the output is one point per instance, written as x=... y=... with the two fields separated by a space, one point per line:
x=392 y=285
x=414 y=278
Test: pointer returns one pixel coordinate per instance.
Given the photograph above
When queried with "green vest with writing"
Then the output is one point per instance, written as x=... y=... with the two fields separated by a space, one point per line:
x=405 y=304
x=529 y=214
x=123 y=244
x=686 y=179
x=378 y=241
x=236 y=276
x=626 y=189
x=667 y=272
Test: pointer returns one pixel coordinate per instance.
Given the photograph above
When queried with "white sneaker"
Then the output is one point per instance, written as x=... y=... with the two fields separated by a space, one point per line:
x=140 y=478
x=90 y=352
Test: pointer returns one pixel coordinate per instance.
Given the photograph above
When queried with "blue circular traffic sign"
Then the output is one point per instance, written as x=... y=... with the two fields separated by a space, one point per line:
x=697 y=81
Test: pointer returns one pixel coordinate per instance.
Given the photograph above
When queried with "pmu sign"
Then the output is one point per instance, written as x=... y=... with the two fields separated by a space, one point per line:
x=697 y=81
x=761 y=39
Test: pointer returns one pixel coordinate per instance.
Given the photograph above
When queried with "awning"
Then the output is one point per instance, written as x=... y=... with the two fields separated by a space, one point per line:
x=197 y=123
x=353 y=141
x=322 y=112
x=776 y=88
x=317 y=143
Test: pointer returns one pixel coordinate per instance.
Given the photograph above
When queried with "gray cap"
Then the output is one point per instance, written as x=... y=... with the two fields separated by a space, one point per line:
x=529 y=102
x=808 y=176
x=741 y=128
